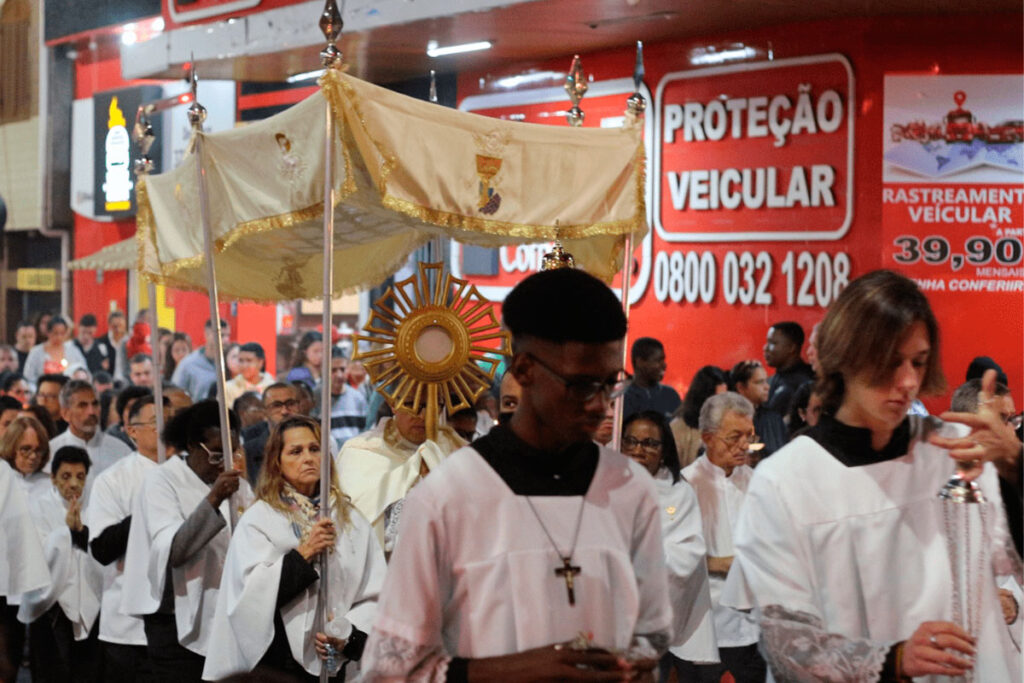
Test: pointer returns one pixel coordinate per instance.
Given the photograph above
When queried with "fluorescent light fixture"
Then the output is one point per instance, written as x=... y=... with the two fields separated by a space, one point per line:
x=527 y=78
x=435 y=50
x=703 y=56
x=304 y=76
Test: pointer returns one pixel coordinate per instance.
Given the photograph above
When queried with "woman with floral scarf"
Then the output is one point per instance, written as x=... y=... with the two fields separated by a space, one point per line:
x=266 y=610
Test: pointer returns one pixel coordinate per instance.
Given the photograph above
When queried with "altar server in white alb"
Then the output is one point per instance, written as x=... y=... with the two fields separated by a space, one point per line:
x=647 y=438
x=267 y=605
x=533 y=554
x=22 y=565
x=63 y=616
x=178 y=539
x=109 y=518
x=842 y=542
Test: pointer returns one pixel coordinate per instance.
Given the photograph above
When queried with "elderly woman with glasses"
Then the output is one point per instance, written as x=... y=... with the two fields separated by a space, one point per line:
x=648 y=439
x=267 y=606
x=26 y=448
x=178 y=539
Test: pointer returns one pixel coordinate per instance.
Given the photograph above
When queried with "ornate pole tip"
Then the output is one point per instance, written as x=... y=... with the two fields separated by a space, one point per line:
x=196 y=114
x=576 y=87
x=331 y=24
x=331 y=21
x=636 y=104
x=557 y=258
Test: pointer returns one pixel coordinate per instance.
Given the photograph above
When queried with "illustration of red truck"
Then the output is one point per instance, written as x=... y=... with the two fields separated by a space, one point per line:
x=1005 y=131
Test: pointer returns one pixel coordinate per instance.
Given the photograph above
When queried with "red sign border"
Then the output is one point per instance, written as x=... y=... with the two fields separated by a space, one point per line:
x=800 y=236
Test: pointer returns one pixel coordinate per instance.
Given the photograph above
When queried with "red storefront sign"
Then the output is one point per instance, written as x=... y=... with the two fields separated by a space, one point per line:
x=755 y=152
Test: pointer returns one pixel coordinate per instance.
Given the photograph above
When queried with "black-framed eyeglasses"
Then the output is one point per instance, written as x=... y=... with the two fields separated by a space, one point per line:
x=649 y=444
x=290 y=404
x=583 y=389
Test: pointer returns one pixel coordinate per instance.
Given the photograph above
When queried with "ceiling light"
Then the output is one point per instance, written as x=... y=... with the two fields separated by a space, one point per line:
x=304 y=76
x=434 y=50
x=526 y=78
x=703 y=56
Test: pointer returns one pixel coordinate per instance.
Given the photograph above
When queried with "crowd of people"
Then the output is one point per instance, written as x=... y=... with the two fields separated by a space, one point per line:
x=778 y=526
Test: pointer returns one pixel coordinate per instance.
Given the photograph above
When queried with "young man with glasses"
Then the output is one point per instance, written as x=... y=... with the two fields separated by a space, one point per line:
x=534 y=554
x=720 y=477
x=109 y=518
x=178 y=539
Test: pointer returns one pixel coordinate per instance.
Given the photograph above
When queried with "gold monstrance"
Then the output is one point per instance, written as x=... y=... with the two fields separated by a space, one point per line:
x=433 y=340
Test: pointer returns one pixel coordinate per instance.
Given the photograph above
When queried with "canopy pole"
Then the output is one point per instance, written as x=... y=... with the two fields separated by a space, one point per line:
x=158 y=379
x=330 y=24
x=196 y=116
x=635 y=106
x=627 y=272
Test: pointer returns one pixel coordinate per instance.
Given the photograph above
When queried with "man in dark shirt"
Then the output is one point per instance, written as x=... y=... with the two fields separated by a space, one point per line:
x=24 y=340
x=97 y=356
x=782 y=352
x=646 y=392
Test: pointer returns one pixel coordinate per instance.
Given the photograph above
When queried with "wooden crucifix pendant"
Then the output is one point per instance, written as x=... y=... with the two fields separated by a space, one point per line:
x=567 y=571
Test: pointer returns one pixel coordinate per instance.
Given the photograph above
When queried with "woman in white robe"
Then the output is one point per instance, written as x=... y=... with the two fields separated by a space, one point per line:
x=22 y=566
x=648 y=439
x=268 y=599
x=842 y=542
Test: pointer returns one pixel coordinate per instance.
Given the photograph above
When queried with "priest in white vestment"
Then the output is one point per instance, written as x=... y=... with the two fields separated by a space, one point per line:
x=267 y=604
x=647 y=438
x=533 y=552
x=63 y=615
x=720 y=478
x=109 y=518
x=843 y=544
x=379 y=467
x=178 y=539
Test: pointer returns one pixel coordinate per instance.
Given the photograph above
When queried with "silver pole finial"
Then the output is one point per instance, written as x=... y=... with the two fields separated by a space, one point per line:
x=636 y=104
x=576 y=86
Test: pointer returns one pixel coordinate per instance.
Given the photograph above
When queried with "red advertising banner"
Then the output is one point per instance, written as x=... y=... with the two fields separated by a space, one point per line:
x=725 y=261
x=757 y=151
x=953 y=202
